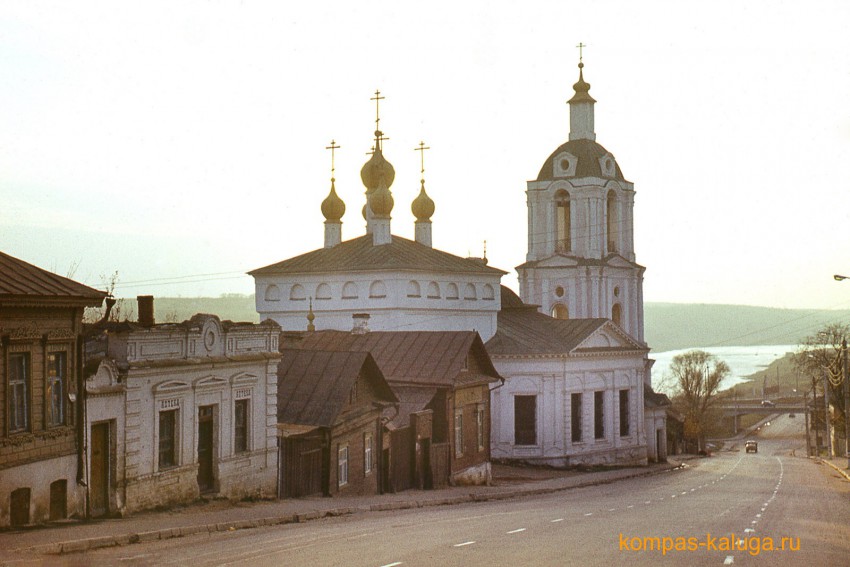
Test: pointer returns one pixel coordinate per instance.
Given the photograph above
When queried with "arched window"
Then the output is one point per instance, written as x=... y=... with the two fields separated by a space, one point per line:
x=451 y=291
x=616 y=314
x=488 y=292
x=272 y=293
x=563 y=224
x=297 y=293
x=469 y=292
x=377 y=290
x=323 y=291
x=613 y=222
x=349 y=290
x=413 y=289
x=433 y=290
x=560 y=311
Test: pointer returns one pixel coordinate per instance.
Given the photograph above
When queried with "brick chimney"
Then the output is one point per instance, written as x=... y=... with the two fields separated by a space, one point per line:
x=145 y=310
x=361 y=324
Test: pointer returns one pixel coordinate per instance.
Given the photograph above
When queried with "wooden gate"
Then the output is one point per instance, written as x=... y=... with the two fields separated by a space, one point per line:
x=99 y=487
x=440 y=464
x=302 y=466
x=402 y=457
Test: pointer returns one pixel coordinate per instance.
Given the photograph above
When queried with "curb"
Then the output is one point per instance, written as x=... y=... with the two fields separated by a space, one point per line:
x=842 y=472
x=89 y=544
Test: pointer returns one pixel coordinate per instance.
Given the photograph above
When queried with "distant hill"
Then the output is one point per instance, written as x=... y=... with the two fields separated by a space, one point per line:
x=669 y=326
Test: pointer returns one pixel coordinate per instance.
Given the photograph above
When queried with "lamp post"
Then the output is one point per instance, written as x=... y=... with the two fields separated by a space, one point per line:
x=845 y=379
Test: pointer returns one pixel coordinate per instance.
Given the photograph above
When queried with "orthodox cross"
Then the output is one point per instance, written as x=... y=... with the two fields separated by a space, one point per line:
x=580 y=47
x=421 y=149
x=333 y=147
x=377 y=98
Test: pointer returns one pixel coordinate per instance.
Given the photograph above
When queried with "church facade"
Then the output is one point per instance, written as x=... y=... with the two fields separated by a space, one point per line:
x=570 y=346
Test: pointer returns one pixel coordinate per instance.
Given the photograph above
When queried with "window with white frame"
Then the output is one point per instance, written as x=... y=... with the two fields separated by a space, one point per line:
x=18 y=392
x=459 y=433
x=367 y=453
x=342 y=468
x=479 y=423
x=56 y=384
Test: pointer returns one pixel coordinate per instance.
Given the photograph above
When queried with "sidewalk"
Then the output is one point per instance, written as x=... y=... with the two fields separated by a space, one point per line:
x=838 y=463
x=509 y=482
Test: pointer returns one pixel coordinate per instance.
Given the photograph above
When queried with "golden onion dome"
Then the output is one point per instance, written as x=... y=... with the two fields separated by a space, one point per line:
x=423 y=205
x=381 y=201
x=333 y=207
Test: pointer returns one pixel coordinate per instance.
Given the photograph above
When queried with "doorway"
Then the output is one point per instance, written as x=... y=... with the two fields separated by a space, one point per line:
x=99 y=488
x=206 y=479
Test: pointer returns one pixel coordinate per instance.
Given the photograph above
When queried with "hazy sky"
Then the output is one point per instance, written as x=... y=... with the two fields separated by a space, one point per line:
x=185 y=141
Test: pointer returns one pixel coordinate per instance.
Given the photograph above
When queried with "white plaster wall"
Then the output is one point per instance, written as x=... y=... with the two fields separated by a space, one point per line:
x=38 y=476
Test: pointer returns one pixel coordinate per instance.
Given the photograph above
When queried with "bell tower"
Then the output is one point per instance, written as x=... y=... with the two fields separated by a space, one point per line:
x=580 y=262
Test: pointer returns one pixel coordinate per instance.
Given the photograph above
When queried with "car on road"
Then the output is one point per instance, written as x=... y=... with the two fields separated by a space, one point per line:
x=767 y=404
x=752 y=446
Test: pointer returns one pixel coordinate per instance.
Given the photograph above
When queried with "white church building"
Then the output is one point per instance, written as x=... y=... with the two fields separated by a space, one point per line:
x=571 y=350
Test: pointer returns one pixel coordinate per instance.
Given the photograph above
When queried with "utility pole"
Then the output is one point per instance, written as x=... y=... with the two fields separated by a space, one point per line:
x=846 y=398
x=826 y=412
x=808 y=441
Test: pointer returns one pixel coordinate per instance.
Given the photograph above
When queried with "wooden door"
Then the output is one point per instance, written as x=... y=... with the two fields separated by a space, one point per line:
x=99 y=487
x=206 y=480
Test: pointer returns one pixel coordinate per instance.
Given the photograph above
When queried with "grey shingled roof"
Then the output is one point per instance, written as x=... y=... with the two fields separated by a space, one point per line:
x=588 y=153
x=360 y=254
x=425 y=358
x=313 y=386
x=21 y=280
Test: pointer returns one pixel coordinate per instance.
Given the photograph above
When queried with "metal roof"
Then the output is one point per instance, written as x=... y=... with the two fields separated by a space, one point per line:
x=360 y=254
x=428 y=358
x=21 y=280
x=314 y=385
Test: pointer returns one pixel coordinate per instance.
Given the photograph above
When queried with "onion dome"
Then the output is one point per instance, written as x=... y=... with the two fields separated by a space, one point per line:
x=423 y=205
x=377 y=169
x=581 y=88
x=380 y=200
x=333 y=207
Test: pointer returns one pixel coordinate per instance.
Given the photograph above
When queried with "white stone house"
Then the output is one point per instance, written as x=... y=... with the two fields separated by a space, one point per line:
x=174 y=411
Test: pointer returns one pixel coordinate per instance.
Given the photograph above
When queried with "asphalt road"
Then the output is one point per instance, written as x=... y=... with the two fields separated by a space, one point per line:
x=732 y=500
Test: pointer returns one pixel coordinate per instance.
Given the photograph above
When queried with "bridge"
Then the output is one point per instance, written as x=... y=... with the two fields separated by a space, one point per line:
x=741 y=407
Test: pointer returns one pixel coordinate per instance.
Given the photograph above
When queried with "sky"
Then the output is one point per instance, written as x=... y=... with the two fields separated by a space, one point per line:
x=183 y=144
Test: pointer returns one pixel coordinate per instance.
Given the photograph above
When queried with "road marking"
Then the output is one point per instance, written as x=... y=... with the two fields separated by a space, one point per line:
x=749 y=530
x=557 y=520
x=630 y=506
x=648 y=501
x=589 y=514
x=758 y=515
x=611 y=509
x=464 y=543
x=685 y=492
x=754 y=522
x=729 y=560
x=392 y=564
x=516 y=531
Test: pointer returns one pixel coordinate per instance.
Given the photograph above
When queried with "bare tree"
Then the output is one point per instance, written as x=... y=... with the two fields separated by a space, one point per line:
x=697 y=375
x=819 y=357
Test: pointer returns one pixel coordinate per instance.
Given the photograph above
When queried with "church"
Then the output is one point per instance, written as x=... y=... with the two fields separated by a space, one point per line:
x=570 y=346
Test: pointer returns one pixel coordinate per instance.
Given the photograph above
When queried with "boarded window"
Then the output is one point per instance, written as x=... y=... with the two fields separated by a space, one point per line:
x=167 y=439
x=525 y=420
x=575 y=407
x=624 y=413
x=598 y=415
x=59 y=499
x=20 y=507
x=240 y=420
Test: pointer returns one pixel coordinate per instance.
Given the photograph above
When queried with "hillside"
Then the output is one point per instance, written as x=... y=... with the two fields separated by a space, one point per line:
x=669 y=326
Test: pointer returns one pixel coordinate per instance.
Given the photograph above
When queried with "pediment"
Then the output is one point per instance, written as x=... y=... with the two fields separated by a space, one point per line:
x=170 y=386
x=558 y=261
x=243 y=378
x=209 y=382
x=609 y=336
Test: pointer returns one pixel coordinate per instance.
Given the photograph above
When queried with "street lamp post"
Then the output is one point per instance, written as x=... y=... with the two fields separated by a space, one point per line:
x=845 y=379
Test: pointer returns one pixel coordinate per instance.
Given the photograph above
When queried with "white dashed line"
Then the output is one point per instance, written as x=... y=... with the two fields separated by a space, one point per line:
x=589 y=514
x=557 y=520
x=392 y=564
x=516 y=531
x=464 y=543
x=729 y=560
